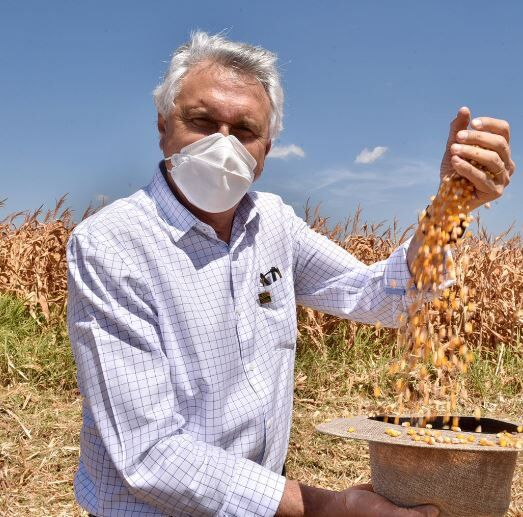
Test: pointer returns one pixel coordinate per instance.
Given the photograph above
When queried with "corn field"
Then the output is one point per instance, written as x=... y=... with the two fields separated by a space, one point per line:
x=33 y=268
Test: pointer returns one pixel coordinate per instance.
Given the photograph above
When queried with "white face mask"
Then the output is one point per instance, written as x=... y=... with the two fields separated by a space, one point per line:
x=213 y=173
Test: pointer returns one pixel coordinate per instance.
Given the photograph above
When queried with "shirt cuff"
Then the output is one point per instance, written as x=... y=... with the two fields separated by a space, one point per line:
x=254 y=491
x=396 y=276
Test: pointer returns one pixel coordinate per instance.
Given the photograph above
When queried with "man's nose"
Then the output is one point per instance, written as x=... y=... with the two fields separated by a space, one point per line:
x=224 y=129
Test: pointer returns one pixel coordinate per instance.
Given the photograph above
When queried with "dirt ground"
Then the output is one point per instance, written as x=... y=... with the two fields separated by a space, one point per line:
x=39 y=450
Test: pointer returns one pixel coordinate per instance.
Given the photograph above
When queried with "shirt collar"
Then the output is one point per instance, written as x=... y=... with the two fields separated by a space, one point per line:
x=169 y=208
x=182 y=220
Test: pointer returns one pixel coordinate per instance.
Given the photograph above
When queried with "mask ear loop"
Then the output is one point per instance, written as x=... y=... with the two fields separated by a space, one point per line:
x=176 y=159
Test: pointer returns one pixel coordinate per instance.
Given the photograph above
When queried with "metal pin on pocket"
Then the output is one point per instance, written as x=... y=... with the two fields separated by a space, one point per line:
x=265 y=297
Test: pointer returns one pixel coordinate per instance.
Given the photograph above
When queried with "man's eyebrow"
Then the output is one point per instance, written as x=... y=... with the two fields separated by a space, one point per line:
x=195 y=110
x=243 y=121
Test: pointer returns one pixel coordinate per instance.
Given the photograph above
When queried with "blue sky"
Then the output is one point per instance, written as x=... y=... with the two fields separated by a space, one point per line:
x=76 y=114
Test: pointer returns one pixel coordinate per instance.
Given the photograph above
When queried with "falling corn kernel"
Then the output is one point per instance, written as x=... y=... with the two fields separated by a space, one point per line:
x=478 y=429
x=477 y=413
x=406 y=424
x=520 y=429
x=437 y=340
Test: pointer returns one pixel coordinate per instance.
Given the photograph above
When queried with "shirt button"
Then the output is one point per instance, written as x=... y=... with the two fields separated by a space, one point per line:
x=250 y=367
x=238 y=313
x=269 y=423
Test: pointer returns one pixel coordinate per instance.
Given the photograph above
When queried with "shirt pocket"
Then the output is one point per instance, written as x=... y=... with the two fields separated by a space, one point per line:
x=277 y=317
x=276 y=296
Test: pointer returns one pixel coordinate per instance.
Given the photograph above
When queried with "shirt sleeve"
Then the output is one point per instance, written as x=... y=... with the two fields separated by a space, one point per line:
x=328 y=278
x=125 y=378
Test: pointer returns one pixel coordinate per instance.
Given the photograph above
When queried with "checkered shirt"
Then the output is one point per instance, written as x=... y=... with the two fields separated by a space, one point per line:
x=187 y=377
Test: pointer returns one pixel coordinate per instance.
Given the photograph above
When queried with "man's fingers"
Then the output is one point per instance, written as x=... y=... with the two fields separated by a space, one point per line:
x=489 y=159
x=460 y=122
x=478 y=178
x=492 y=125
x=366 y=486
x=426 y=510
x=490 y=141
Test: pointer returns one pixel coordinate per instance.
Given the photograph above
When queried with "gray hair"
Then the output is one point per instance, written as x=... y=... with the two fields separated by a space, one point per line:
x=247 y=59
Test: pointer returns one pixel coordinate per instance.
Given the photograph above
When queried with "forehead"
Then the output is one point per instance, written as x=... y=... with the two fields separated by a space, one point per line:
x=224 y=93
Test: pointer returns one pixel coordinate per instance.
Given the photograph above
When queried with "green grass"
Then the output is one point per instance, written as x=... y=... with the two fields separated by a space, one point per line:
x=31 y=351
x=356 y=364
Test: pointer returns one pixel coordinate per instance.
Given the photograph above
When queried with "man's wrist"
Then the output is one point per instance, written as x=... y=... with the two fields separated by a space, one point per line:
x=303 y=501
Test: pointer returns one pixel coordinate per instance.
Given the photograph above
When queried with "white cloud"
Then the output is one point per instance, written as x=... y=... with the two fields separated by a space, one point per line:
x=367 y=156
x=378 y=182
x=285 y=151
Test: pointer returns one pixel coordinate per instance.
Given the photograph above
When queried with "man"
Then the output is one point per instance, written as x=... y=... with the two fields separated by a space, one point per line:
x=182 y=304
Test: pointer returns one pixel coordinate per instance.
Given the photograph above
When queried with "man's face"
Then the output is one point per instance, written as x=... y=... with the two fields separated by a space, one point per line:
x=214 y=99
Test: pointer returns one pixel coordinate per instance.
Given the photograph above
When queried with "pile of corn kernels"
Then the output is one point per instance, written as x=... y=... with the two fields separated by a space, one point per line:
x=431 y=437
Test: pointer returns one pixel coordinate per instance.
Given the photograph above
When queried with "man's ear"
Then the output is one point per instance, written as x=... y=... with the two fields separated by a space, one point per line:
x=161 y=125
x=268 y=147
